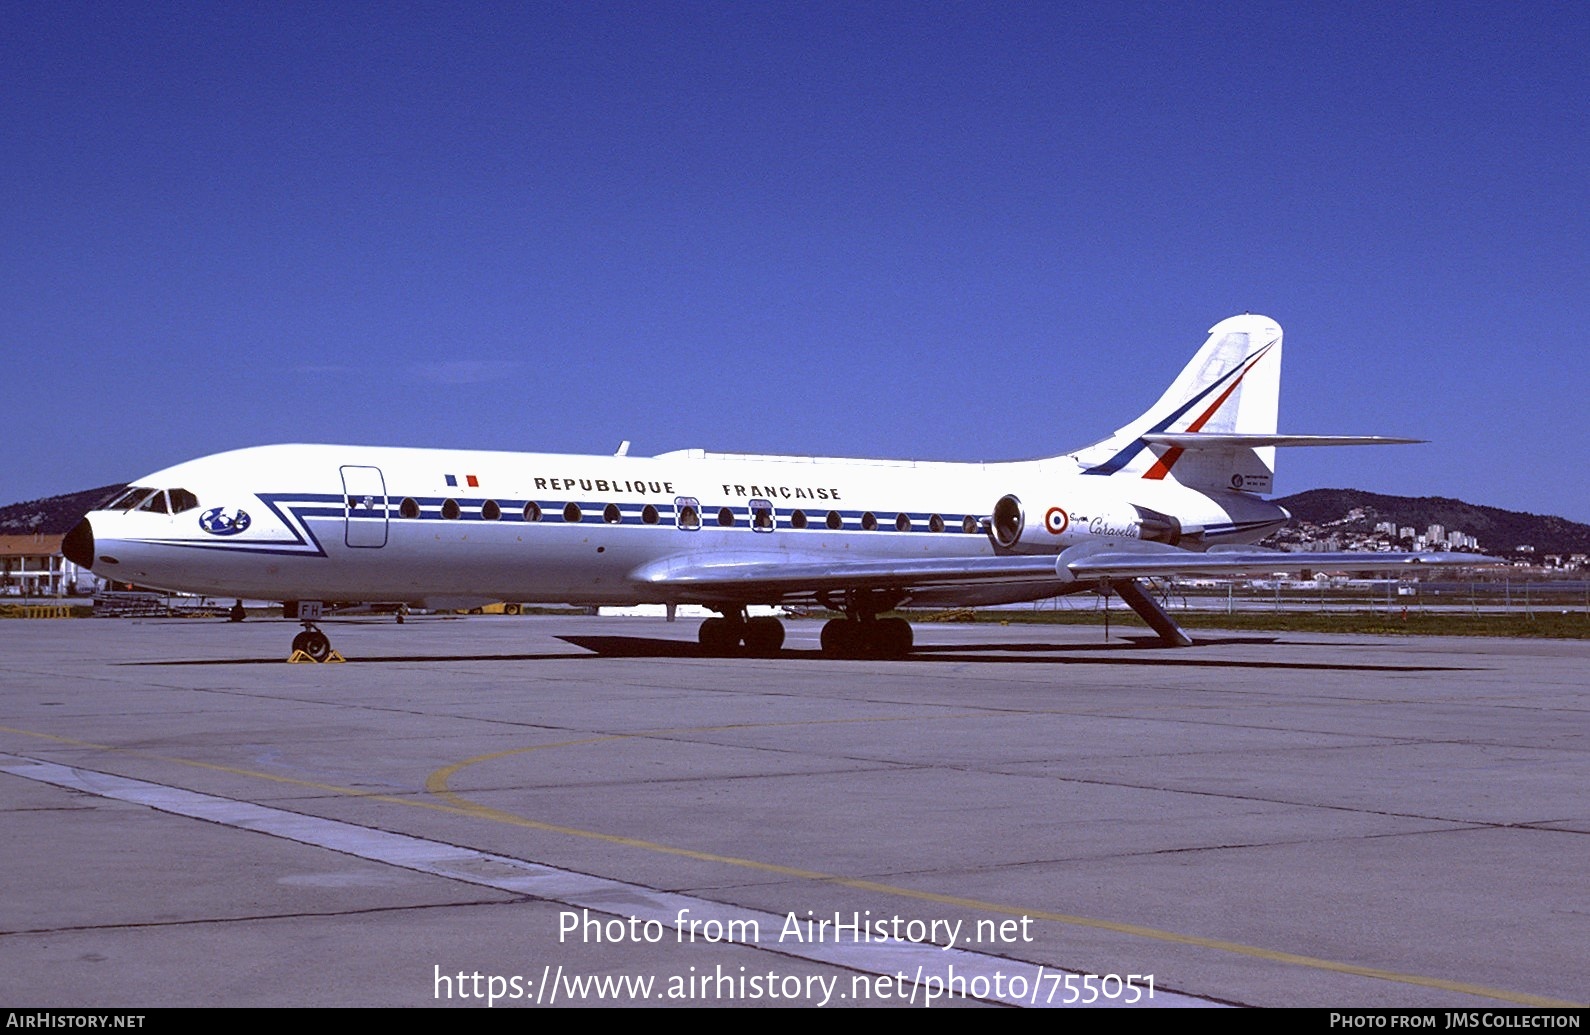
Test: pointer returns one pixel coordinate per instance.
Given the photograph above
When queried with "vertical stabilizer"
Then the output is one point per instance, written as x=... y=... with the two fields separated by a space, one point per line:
x=1231 y=386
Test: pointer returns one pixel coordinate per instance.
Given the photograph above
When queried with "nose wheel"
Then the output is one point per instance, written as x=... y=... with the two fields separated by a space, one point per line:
x=313 y=643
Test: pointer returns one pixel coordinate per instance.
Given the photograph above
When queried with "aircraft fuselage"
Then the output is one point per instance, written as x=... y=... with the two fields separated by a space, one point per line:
x=327 y=522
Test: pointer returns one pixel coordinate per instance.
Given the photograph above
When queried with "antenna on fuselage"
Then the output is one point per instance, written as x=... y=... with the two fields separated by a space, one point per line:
x=623 y=448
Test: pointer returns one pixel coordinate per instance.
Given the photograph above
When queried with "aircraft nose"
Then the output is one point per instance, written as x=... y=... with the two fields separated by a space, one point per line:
x=78 y=546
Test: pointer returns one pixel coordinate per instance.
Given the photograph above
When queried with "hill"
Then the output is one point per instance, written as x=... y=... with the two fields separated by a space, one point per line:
x=1499 y=531
x=53 y=515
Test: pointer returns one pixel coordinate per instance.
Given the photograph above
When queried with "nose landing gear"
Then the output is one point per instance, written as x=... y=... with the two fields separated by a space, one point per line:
x=311 y=644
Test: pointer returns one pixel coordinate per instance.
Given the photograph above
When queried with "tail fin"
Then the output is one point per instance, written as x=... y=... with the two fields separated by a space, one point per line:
x=1232 y=387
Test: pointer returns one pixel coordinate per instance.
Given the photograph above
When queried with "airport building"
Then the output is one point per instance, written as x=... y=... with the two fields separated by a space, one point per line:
x=31 y=565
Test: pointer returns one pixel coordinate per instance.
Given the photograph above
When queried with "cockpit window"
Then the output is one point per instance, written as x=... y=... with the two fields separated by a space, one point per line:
x=131 y=498
x=156 y=503
x=181 y=500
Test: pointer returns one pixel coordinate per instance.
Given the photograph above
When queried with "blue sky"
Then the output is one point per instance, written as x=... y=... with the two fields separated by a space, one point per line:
x=948 y=231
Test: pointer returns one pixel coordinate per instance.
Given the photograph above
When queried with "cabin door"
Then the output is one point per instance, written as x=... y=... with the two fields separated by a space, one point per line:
x=364 y=503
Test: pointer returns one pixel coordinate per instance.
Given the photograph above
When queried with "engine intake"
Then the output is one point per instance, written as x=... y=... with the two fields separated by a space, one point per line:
x=1009 y=521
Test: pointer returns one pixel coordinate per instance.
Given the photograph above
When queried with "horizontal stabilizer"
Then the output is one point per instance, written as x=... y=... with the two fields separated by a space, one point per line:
x=1201 y=440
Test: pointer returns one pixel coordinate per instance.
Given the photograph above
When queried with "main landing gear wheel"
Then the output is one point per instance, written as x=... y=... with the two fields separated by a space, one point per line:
x=314 y=643
x=841 y=638
x=723 y=636
x=893 y=637
x=763 y=636
x=720 y=635
x=867 y=638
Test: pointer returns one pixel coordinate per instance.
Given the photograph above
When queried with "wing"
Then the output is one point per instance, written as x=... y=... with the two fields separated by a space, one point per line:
x=1135 y=559
x=757 y=578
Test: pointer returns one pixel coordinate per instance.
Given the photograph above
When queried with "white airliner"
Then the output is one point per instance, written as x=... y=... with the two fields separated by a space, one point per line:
x=1175 y=492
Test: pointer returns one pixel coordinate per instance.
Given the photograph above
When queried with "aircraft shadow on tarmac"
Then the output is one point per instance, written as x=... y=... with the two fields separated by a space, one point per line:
x=1009 y=653
x=1143 y=650
x=367 y=659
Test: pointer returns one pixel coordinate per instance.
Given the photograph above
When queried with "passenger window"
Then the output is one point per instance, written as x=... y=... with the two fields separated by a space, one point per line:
x=571 y=513
x=489 y=511
x=834 y=520
x=532 y=511
x=869 y=521
x=648 y=514
x=969 y=524
x=725 y=517
x=450 y=509
x=797 y=519
x=611 y=514
x=687 y=513
x=409 y=508
x=902 y=522
x=935 y=524
x=761 y=515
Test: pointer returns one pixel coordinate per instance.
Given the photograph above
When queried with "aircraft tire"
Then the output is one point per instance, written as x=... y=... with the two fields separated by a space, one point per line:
x=314 y=643
x=842 y=638
x=719 y=636
x=892 y=638
x=764 y=636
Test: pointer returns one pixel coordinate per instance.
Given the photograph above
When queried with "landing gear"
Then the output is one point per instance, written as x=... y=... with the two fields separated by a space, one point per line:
x=867 y=637
x=841 y=638
x=723 y=636
x=720 y=635
x=763 y=636
x=236 y=614
x=861 y=633
x=313 y=643
x=894 y=637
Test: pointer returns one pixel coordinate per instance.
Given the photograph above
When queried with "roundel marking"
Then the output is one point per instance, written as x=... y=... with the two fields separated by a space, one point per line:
x=1236 y=481
x=1056 y=521
x=219 y=521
